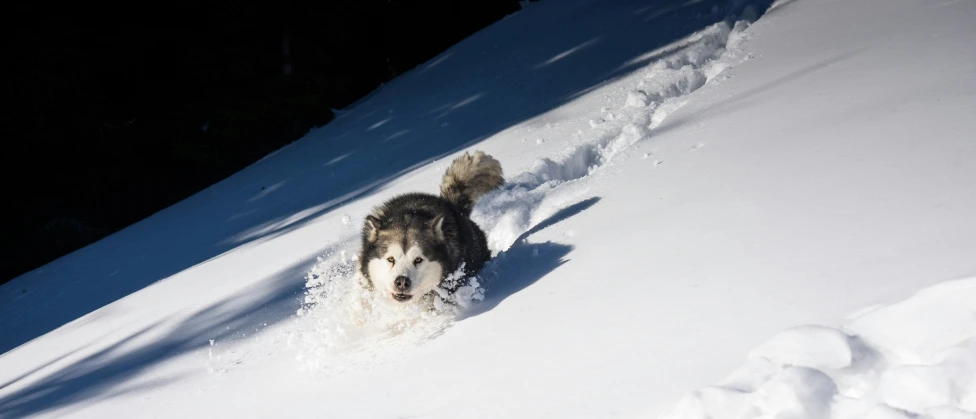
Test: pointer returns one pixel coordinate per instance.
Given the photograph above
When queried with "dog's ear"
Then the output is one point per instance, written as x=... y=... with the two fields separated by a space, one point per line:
x=371 y=228
x=437 y=227
x=442 y=229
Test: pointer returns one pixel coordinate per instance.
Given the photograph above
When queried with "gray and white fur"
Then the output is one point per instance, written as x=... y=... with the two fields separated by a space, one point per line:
x=413 y=242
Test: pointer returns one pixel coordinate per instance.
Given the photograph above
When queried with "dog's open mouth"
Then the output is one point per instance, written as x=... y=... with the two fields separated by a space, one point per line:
x=402 y=297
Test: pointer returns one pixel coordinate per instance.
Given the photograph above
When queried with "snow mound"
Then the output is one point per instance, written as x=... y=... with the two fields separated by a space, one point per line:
x=914 y=358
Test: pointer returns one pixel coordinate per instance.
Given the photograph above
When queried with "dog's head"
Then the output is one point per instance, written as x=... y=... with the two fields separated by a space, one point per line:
x=404 y=257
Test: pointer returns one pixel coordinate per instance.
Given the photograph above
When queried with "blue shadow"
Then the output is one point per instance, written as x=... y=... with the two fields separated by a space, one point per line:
x=545 y=58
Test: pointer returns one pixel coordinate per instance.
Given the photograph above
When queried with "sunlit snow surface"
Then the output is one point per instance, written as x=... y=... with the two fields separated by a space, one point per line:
x=704 y=216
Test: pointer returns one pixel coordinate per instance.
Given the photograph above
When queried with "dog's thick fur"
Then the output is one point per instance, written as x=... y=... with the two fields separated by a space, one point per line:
x=413 y=242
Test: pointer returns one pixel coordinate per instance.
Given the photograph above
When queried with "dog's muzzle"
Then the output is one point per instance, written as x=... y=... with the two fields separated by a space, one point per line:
x=402 y=284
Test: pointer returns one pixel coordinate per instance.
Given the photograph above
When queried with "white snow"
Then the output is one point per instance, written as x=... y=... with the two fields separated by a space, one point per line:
x=705 y=216
x=911 y=358
x=807 y=346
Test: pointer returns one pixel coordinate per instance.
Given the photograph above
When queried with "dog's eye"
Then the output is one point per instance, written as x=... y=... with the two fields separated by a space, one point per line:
x=417 y=261
x=390 y=259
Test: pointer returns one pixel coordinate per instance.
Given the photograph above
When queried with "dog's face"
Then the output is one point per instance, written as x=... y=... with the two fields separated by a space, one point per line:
x=404 y=257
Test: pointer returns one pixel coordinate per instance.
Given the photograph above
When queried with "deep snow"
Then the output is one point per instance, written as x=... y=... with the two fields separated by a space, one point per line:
x=912 y=358
x=700 y=220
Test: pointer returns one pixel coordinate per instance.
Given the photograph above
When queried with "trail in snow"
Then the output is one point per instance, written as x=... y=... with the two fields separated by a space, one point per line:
x=915 y=358
x=343 y=326
x=550 y=184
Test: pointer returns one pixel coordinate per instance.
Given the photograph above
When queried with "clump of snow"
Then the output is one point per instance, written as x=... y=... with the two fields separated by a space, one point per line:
x=665 y=109
x=344 y=325
x=795 y=392
x=913 y=358
x=464 y=296
x=637 y=99
x=915 y=388
x=738 y=34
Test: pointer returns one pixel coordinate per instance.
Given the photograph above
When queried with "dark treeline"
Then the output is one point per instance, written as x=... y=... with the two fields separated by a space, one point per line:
x=114 y=112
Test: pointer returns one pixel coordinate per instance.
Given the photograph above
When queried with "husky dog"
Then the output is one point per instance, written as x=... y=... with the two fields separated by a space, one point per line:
x=413 y=242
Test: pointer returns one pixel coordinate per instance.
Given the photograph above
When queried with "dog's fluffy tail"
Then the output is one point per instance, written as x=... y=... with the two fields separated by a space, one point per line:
x=470 y=177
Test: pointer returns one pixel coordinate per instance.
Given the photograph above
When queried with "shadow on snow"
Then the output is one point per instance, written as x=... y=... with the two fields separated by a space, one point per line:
x=525 y=263
x=457 y=100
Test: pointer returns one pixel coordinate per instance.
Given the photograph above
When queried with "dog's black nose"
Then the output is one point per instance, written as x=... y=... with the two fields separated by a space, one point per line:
x=402 y=283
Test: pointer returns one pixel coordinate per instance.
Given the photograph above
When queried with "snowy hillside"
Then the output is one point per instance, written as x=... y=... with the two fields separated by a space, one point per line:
x=705 y=216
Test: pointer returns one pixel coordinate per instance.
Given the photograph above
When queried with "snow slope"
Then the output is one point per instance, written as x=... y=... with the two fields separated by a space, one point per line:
x=700 y=220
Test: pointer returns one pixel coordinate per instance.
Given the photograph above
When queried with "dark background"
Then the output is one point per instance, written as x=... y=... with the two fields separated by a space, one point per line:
x=112 y=112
